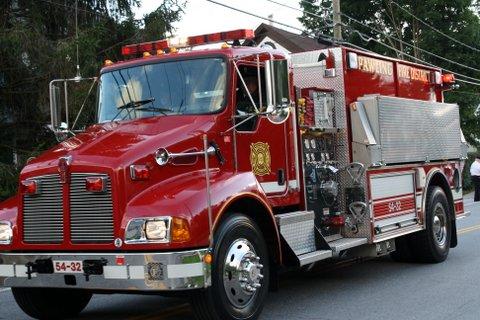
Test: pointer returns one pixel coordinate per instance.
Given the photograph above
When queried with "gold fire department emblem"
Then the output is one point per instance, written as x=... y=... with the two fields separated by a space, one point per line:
x=260 y=158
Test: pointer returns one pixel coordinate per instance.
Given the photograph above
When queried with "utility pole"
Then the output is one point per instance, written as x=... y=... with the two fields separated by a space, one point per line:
x=337 y=20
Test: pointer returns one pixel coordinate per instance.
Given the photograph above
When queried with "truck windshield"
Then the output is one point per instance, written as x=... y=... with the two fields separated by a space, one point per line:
x=196 y=86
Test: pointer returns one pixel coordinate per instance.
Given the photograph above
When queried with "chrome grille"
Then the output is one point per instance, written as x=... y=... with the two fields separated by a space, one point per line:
x=43 y=213
x=91 y=214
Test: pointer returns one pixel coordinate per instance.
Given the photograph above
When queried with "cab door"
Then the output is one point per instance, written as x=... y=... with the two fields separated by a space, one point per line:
x=261 y=146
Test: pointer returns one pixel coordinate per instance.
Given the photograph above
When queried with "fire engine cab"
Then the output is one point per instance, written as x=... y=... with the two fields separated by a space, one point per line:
x=209 y=171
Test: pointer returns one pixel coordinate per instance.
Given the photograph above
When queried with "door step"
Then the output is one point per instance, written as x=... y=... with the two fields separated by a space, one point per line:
x=298 y=230
x=305 y=240
x=346 y=243
x=308 y=258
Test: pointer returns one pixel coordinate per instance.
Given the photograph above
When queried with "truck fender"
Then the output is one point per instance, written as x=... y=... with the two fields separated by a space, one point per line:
x=185 y=196
x=436 y=177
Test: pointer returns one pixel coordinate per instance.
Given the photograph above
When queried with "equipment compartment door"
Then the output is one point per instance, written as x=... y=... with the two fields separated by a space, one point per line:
x=393 y=201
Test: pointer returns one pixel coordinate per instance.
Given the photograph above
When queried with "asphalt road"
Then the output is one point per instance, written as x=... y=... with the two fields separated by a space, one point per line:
x=377 y=288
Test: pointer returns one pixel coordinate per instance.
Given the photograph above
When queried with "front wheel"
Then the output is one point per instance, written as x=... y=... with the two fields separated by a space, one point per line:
x=240 y=273
x=51 y=304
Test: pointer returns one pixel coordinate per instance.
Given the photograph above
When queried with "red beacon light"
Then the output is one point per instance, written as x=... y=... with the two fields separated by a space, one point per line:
x=448 y=78
x=30 y=187
x=139 y=172
x=139 y=48
x=95 y=184
x=221 y=37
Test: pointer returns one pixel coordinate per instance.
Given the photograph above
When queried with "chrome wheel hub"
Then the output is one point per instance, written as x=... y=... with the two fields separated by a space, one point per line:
x=440 y=225
x=242 y=273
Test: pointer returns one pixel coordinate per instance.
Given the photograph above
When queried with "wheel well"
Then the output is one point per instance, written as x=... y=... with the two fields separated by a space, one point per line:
x=439 y=180
x=257 y=211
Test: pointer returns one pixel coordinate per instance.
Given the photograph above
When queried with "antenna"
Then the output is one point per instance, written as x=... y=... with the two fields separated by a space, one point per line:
x=78 y=76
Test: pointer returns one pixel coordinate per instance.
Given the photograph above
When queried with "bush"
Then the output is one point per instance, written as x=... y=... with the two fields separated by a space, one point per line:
x=8 y=181
x=467 y=180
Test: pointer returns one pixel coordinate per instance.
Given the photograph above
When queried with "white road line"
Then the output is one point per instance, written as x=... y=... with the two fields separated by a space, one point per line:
x=4 y=290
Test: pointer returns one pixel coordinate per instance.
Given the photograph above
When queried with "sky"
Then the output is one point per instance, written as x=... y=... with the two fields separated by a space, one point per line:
x=203 y=17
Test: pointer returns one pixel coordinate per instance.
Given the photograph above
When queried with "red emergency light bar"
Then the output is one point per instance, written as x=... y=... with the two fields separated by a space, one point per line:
x=162 y=45
x=139 y=48
x=221 y=37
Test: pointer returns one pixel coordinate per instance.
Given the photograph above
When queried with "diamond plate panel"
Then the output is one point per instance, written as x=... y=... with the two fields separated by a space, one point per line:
x=298 y=229
x=414 y=130
x=308 y=73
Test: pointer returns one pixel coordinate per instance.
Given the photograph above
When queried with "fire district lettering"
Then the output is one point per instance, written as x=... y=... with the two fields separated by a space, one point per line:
x=375 y=65
x=412 y=73
x=260 y=158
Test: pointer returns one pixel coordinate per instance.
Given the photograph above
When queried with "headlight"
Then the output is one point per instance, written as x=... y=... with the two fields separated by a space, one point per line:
x=6 y=232
x=156 y=229
x=145 y=230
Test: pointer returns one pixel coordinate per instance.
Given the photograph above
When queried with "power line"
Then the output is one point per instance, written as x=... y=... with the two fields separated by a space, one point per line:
x=435 y=29
x=255 y=15
x=409 y=44
x=368 y=38
x=363 y=36
x=381 y=32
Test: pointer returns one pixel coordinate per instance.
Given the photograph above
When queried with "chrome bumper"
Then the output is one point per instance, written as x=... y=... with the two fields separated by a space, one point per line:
x=123 y=272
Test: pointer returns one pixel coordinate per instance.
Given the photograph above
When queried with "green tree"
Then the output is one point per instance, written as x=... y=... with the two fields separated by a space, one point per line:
x=392 y=21
x=38 y=43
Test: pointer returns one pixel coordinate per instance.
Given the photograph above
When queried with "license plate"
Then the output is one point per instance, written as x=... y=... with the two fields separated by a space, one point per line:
x=68 y=266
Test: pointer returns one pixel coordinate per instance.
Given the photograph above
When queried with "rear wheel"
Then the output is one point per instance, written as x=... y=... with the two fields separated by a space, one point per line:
x=402 y=251
x=433 y=244
x=240 y=273
x=51 y=304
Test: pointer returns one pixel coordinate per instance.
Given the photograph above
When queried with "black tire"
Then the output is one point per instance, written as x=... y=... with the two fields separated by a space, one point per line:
x=51 y=304
x=425 y=245
x=402 y=251
x=214 y=303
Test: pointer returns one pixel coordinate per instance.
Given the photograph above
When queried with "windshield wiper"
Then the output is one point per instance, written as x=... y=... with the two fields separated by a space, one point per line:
x=132 y=105
x=135 y=104
x=162 y=110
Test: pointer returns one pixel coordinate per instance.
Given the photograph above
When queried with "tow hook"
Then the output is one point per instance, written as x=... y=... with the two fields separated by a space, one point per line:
x=93 y=267
x=43 y=266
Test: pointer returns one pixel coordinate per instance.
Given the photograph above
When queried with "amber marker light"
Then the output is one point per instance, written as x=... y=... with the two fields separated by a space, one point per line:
x=208 y=258
x=108 y=62
x=180 y=231
x=146 y=54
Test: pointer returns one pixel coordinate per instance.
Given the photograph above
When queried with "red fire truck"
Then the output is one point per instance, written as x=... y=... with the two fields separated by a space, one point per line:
x=210 y=171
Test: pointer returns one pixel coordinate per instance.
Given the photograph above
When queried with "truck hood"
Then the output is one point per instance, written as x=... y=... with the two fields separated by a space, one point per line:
x=117 y=144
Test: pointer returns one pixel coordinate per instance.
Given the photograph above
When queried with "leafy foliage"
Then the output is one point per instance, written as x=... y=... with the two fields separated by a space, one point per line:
x=458 y=19
x=38 y=43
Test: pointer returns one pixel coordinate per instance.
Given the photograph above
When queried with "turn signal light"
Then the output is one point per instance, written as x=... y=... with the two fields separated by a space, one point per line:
x=29 y=187
x=95 y=184
x=139 y=172
x=180 y=230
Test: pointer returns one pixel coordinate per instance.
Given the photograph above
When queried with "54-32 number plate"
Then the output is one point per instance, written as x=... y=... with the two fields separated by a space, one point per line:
x=68 y=266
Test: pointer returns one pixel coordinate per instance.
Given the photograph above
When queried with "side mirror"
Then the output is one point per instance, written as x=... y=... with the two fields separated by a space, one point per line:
x=278 y=90
x=55 y=106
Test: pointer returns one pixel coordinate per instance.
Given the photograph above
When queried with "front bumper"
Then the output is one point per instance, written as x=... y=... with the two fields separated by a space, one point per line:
x=167 y=271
